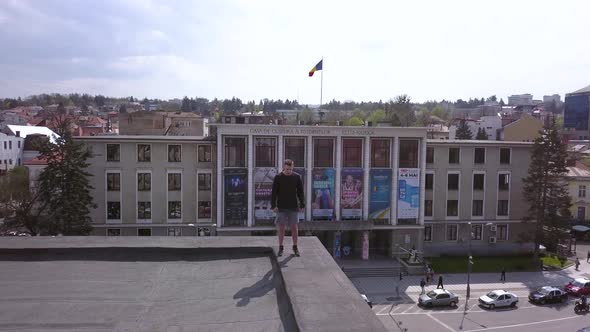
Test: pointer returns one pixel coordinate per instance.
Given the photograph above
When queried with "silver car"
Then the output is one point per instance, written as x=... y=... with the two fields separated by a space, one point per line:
x=438 y=297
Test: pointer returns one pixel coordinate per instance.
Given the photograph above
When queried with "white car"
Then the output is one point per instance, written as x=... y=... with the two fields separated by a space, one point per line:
x=498 y=298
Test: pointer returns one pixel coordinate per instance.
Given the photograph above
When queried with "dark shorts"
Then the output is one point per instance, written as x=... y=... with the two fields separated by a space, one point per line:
x=287 y=218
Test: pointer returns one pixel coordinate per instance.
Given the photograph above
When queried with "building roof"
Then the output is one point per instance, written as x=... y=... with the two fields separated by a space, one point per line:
x=579 y=171
x=37 y=161
x=582 y=90
x=30 y=130
x=140 y=138
x=476 y=142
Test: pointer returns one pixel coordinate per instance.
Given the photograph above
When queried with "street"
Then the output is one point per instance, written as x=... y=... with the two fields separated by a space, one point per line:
x=401 y=313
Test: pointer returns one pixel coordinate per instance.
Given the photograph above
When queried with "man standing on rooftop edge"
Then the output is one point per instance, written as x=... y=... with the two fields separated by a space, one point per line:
x=286 y=201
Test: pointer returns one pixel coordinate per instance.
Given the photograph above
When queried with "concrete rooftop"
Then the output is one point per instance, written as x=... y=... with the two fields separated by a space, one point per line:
x=175 y=284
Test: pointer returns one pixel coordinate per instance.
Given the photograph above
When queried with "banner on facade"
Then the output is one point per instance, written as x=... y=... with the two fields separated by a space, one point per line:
x=235 y=203
x=263 y=179
x=380 y=194
x=351 y=189
x=301 y=172
x=322 y=199
x=408 y=202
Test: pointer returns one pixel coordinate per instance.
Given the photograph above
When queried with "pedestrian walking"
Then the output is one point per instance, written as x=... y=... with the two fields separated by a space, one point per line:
x=440 y=283
x=588 y=257
x=503 y=274
x=577 y=264
x=287 y=201
x=422 y=284
x=428 y=274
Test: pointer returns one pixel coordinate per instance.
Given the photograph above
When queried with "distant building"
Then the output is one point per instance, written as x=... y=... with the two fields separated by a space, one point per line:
x=524 y=99
x=576 y=114
x=578 y=179
x=491 y=124
x=525 y=129
x=11 y=152
x=162 y=124
x=552 y=98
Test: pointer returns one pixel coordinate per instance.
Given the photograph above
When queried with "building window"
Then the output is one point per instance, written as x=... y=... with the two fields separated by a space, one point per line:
x=113 y=152
x=204 y=181
x=113 y=232
x=173 y=231
x=323 y=152
x=582 y=191
x=144 y=232
x=476 y=232
x=408 y=153
x=204 y=209
x=581 y=213
x=502 y=232
x=452 y=208
x=5 y=146
x=144 y=153
x=113 y=181
x=174 y=181
x=144 y=210
x=454 y=155
x=479 y=156
x=427 y=233
x=352 y=152
x=453 y=181
x=430 y=155
x=144 y=181
x=428 y=208
x=504 y=156
x=10 y=145
x=265 y=152
x=235 y=152
x=113 y=210
x=503 y=181
x=18 y=143
x=204 y=152
x=174 y=210
x=477 y=210
x=295 y=150
x=380 y=153
x=18 y=161
x=452 y=232
x=429 y=183
x=174 y=153
x=9 y=161
x=502 y=207
x=478 y=181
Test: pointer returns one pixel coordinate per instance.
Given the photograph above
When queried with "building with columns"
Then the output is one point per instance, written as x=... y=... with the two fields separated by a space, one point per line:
x=350 y=174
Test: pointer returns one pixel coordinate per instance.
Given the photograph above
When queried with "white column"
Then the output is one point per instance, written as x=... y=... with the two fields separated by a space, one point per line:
x=422 y=165
x=337 y=177
x=308 y=174
x=250 y=165
x=395 y=181
x=220 y=163
x=280 y=153
x=366 y=184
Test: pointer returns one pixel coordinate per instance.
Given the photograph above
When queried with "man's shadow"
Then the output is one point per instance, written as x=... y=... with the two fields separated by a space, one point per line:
x=262 y=286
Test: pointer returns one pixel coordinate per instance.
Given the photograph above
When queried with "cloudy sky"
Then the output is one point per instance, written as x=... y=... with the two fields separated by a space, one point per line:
x=264 y=49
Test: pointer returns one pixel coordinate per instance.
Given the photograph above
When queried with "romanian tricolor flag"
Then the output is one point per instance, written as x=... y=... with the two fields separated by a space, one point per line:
x=316 y=68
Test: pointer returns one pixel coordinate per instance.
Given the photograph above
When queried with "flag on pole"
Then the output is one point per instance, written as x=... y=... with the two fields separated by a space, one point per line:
x=316 y=68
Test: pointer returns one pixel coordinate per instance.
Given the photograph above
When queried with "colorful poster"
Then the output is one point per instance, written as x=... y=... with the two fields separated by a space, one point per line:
x=322 y=199
x=235 y=204
x=301 y=172
x=337 y=238
x=408 y=201
x=380 y=194
x=351 y=189
x=365 y=245
x=263 y=178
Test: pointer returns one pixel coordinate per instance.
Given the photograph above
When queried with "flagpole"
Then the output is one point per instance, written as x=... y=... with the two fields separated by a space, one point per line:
x=322 y=84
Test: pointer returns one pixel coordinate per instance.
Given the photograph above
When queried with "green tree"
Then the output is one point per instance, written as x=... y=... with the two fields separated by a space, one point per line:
x=376 y=116
x=186 y=104
x=463 y=131
x=355 y=121
x=123 y=108
x=395 y=121
x=65 y=187
x=481 y=134
x=22 y=205
x=440 y=112
x=546 y=190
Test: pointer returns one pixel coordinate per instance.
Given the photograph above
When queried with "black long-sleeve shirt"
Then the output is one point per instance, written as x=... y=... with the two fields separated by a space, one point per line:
x=286 y=190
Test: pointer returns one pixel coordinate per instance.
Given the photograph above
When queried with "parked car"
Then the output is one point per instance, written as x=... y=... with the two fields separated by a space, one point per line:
x=438 y=297
x=498 y=298
x=548 y=294
x=367 y=300
x=580 y=286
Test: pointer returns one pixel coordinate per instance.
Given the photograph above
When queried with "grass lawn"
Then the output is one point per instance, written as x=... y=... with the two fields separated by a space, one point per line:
x=458 y=264
x=554 y=262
